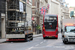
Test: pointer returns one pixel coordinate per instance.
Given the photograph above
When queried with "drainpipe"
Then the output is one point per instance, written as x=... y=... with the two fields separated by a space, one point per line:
x=5 y=16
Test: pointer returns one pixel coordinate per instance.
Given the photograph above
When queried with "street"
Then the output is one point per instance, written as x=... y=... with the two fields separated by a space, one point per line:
x=38 y=43
x=25 y=21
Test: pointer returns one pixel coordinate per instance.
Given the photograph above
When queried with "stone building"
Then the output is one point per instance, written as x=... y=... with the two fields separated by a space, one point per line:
x=2 y=17
x=35 y=14
x=59 y=7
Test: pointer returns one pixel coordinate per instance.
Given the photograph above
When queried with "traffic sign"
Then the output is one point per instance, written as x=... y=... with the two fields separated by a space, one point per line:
x=32 y=18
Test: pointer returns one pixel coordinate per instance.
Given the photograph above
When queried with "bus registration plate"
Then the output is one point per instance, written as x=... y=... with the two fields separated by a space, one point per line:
x=50 y=36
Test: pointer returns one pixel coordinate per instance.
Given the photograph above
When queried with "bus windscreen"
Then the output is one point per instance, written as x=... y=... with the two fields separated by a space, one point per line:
x=50 y=23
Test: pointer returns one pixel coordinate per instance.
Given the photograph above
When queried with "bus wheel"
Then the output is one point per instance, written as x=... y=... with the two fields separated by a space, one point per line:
x=44 y=38
x=26 y=38
x=56 y=38
x=32 y=38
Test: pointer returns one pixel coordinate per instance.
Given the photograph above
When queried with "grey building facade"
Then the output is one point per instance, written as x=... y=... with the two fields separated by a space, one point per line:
x=2 y=15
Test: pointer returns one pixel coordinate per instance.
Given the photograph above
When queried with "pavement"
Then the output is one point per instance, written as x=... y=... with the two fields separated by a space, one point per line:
x=34 y=36
x=2 y=40
x=37 y=35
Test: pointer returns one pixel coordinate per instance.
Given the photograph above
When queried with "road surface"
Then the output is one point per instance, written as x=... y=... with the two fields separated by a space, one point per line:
x=38 y=43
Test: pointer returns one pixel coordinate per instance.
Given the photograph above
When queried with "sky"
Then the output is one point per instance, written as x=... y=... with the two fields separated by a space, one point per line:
x=71 y=3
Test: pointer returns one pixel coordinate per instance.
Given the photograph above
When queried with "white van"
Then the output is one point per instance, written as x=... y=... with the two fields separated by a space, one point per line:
x=68 y=34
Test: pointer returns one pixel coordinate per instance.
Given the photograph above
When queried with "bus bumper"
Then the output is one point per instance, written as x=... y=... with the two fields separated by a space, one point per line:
x=51 y=36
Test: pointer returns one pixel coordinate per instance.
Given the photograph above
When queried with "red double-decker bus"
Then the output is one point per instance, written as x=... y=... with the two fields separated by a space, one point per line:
x=50 y=26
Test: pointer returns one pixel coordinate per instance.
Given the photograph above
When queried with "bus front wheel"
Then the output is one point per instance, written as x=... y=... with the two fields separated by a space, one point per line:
x=56 y=38
x=44 y=37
